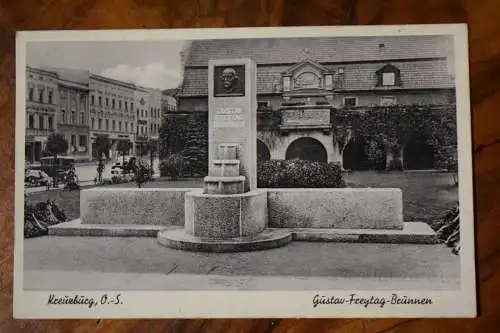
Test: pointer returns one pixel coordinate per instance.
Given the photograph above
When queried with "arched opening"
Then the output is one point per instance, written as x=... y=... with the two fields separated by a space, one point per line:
x=418 y=154
x=263 y=153
x=354 y=156
x=307 y=149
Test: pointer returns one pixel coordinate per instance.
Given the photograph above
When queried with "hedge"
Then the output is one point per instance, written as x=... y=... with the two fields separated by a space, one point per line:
x=299 y=174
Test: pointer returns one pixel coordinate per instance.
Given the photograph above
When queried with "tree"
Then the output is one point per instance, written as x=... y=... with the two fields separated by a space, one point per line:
x=56 y=145
x=172 y=135
x=124 y=147
x=102 y=146
x=196 y=145
x=152 y=148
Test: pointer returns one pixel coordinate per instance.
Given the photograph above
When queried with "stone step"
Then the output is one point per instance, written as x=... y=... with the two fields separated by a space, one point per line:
x=225 y=168
x=181 y=240
x=224 y=185
x=77 y=228
x=412 y=233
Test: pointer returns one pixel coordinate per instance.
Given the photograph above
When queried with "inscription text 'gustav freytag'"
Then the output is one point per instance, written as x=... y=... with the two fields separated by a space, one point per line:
x=229 y=117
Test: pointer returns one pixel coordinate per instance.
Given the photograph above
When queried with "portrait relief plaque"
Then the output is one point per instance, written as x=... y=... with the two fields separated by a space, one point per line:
x=229 y=81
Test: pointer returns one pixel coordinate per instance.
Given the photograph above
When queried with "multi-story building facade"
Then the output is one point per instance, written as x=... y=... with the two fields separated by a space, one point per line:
x=81 y=106
x=306 y=80
x=73 y=117
x=155 y=115
x=141 y=98
x=42 y=104
x=169 y=100
x=112 y=104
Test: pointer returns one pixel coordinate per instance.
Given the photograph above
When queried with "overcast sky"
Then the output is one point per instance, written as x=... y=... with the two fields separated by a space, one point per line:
x=150 y=63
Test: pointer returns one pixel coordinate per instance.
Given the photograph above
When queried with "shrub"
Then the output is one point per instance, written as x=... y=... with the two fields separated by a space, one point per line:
x=298 y=174
x=448 y=229
x=38 y=217
x=172 y=166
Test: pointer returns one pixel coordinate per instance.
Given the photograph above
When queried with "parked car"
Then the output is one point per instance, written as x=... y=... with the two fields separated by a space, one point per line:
x=37 y=178
x=57 y=167
x=121 y=175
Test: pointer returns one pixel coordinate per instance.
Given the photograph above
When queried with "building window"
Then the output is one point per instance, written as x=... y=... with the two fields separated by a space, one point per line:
x=146 y=113
x=92 y=99
x=63 y=116
x=113 y=124
x=388 y=79
x=73 y=117
x=350 y=101
x=83 y=141
x=113 y=103
x=92 y=123
x=387 y=100
x=107 y=101
x=126 y=106
x=50 y=97
x=31 y=121
x=120 y=104
x=100 y=101
x=73 y=140
x=126 y=127
x=120 y=126
x=50 y=123
x=82 y=118
x=40 y=95
x=131 y=106
x=41 y=124
x=107 y=124
x=30 y=93
x=100 y=123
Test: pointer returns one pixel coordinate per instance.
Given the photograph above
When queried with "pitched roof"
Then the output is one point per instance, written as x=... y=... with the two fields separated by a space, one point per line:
x=421 y=60
x=425 y=74
x=323 y=50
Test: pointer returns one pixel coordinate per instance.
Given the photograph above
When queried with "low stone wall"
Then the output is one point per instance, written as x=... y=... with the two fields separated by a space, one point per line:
x=343 y=208
x=153 y=206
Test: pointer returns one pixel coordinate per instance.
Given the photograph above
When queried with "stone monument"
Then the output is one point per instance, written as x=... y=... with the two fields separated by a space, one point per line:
x=230 y=213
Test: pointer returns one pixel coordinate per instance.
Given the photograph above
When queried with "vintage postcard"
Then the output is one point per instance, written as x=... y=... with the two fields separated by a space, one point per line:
x=253 y=172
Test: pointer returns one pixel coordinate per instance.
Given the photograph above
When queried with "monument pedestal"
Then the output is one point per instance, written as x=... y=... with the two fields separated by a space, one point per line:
x=223 y=217
x=230 y=213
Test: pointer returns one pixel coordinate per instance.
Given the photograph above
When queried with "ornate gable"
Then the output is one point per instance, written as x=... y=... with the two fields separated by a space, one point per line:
x=307 y=74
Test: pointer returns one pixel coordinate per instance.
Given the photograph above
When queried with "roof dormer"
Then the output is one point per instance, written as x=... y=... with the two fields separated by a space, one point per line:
x=388 y=76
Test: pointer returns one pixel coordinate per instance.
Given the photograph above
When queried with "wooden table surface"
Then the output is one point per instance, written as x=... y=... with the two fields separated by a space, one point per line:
x=483 y=17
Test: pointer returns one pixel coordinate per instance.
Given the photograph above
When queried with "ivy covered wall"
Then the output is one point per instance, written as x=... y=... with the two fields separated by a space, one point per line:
x=388 y=135
x=388 y=131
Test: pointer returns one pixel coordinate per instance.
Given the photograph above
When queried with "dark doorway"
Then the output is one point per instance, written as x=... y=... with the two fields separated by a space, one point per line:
x=263 y=153
x=28 y=153
x=354 y=156
x=307 y=149
x=38 y=151
x=418 y=154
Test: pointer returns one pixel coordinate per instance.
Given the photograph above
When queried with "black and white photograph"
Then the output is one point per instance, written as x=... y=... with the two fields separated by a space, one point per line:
x=312 y=172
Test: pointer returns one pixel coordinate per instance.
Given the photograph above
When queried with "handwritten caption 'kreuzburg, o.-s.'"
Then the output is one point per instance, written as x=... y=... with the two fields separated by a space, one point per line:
x=81 y=300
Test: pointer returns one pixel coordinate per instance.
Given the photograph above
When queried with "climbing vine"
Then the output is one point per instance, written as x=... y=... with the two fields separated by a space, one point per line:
x=387 y=130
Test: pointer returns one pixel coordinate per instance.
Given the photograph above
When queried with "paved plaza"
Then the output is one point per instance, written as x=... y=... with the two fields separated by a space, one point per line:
x=93 y=263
